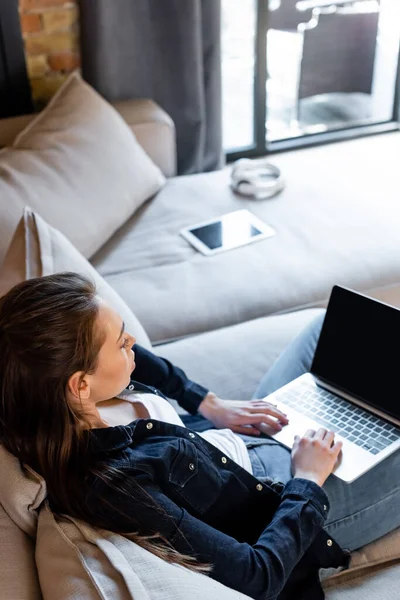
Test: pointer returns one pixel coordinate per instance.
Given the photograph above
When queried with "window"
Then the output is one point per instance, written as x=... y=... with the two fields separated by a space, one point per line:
x=238 y=63
x=297 y=72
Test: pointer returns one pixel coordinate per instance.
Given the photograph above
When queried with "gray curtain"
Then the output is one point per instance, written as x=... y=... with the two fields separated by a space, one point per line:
x=167 y=50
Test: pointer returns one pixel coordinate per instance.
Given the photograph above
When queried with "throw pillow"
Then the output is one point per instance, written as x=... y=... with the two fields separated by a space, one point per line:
x=80 y=166
x=18 y=574
x=38 y=249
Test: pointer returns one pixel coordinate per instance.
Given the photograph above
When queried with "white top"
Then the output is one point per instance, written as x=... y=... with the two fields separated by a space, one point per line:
x=160 y=409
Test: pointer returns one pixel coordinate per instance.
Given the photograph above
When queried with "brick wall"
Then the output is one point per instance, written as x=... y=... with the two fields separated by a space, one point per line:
x=50 y=29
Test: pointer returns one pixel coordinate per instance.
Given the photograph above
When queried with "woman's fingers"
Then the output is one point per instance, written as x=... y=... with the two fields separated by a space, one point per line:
x=246 y=430
x=261 y=403
x=257 y=418
x=267 y=429
x=270 y=409
x=329 y=438
x=320 y=434
x=310 y=433
x=336 y=449
x=325 y=435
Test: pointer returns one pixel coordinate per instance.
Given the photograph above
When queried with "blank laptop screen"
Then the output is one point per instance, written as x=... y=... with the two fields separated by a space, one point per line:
x=359 y=349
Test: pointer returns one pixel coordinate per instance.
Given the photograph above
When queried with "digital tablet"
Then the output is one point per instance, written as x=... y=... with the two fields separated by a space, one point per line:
x=226 y=232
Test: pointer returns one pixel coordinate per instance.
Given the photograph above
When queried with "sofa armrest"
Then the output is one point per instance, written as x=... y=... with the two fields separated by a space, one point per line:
x=154 y=130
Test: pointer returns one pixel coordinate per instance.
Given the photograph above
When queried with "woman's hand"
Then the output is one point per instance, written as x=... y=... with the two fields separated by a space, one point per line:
x=314 y=456
x=248 y=417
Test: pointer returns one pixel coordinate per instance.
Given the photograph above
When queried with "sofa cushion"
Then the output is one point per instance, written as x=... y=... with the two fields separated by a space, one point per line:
x=79 y=165
x=377 y=584
x=381 y=552
x=20 y=497
x=22 y=492
x=37 y=249
x=335 y=225
x=18 y=575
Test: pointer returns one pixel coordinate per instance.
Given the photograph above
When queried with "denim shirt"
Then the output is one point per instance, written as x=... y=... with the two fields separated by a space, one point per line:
x=262 y=539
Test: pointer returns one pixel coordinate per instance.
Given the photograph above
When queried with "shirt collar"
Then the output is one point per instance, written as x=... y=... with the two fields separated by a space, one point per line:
x=108 y=439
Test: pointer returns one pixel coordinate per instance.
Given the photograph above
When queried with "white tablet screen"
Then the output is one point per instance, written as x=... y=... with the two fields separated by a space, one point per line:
x=230 y=230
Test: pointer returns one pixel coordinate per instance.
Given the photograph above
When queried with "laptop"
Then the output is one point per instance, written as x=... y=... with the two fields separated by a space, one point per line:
x=353 y=386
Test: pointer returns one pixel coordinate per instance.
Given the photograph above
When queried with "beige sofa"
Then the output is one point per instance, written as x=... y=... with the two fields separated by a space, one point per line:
x=213 y=315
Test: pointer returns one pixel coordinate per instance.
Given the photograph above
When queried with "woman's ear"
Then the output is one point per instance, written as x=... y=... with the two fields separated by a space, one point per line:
x=79 y=388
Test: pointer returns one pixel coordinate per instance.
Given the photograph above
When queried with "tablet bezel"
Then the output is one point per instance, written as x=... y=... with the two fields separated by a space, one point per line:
x=266 y=232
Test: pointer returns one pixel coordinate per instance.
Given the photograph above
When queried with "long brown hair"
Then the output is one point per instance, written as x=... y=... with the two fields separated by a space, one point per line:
x=47 y=333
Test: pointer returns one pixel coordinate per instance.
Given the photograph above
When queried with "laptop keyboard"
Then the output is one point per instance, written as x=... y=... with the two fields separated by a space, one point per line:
x=353 y=423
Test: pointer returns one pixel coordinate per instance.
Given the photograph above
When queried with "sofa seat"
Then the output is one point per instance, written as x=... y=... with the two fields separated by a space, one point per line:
x=337 y=222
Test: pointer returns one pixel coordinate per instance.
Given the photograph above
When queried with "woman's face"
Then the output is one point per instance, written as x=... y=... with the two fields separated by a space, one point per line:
x=116 y=360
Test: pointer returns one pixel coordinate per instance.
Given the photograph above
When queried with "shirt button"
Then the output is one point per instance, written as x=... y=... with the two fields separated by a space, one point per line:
x=191 y=435
x=329 y=542
x=131 y=387
x=149 y=425
x=191 y=466
x=224 y=460
x=259 y=487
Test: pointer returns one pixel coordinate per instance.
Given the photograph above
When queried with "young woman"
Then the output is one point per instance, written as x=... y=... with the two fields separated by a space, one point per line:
x=86 y=407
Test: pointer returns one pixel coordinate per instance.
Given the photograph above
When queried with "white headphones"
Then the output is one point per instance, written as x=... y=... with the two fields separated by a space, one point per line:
x=257 y=178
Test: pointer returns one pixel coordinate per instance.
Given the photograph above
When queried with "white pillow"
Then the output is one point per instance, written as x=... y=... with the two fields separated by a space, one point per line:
x=38 y=249
x=80 y=166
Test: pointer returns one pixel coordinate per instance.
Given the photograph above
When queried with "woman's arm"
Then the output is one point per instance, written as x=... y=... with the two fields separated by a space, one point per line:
x=241 y=417
x=170 y=380
x=259 y=570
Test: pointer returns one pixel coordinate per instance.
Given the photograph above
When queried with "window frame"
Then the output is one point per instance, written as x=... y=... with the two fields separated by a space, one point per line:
x=260 y=146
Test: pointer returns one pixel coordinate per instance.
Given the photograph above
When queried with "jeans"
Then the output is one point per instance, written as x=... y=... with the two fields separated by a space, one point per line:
x=361 y=511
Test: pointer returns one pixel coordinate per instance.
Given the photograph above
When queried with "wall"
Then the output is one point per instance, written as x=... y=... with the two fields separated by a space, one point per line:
x=51 y=35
